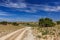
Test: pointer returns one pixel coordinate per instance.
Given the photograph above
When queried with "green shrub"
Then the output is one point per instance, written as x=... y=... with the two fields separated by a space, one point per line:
x=59 y=33
x=38 y=36
x=52 y=33
x=45 y=32
x=3 y=23
x=58 y=22
x=46 y=22
x=15 y=24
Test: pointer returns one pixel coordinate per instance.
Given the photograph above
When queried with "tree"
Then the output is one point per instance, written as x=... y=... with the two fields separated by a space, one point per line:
x=58 y=22
x=3 y=22
x=41 y=22
x=15 y=24
x=46 y=22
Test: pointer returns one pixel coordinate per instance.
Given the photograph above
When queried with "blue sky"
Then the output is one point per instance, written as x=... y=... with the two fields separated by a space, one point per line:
x=29 y=10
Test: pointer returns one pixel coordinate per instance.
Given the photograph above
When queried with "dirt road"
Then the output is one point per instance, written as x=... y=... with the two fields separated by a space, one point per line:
x=21 y=34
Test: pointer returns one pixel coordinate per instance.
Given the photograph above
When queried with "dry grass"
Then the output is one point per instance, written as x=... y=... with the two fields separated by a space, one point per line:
x=47 y=33
x=5 y=29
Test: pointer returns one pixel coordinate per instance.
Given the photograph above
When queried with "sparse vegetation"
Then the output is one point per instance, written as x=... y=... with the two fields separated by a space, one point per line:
x=38 y=36
x=45 y=32
x=3 y=22
x=15 y=24
x=5 y=29
x=45 y=26
x=58 y=22
x=48 y=28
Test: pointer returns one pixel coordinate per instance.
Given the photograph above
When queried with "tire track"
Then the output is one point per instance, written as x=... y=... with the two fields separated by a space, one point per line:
x=9 y=35
x=22 y=34
x=15 y=35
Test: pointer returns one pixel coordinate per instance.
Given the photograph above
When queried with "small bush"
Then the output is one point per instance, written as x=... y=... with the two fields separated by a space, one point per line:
x=38 y=36
x=59 y=33
x=45 y=32
x=52 y=33
x=3 y=23
x=15 y=24
x=58 y=22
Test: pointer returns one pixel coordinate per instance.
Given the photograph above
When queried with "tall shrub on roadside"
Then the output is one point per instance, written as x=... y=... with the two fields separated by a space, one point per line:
x=46 y=22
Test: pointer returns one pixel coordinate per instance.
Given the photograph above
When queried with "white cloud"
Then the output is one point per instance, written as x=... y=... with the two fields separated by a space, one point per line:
x=29 y=11
x=33 y=7
x=2 y=13
x=51 y=8
x=15 y=5
x=47 y=8
x=36 y=8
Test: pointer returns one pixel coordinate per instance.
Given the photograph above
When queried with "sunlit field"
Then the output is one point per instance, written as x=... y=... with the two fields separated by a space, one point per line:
x=39 y=32
x=48 y=33
x=5 y=29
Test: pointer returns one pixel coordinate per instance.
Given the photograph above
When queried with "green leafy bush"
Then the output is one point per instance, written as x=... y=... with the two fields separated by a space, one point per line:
x=3 y=22
x=15 y=24
x=58 y=22
x=46 y=22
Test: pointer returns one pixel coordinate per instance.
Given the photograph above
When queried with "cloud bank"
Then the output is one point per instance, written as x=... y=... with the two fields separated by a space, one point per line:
x=21 y=5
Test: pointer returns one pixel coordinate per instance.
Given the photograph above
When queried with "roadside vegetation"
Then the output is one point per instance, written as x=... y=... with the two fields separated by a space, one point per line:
x=46 y=22
x=8 y=27
x=45 y=28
